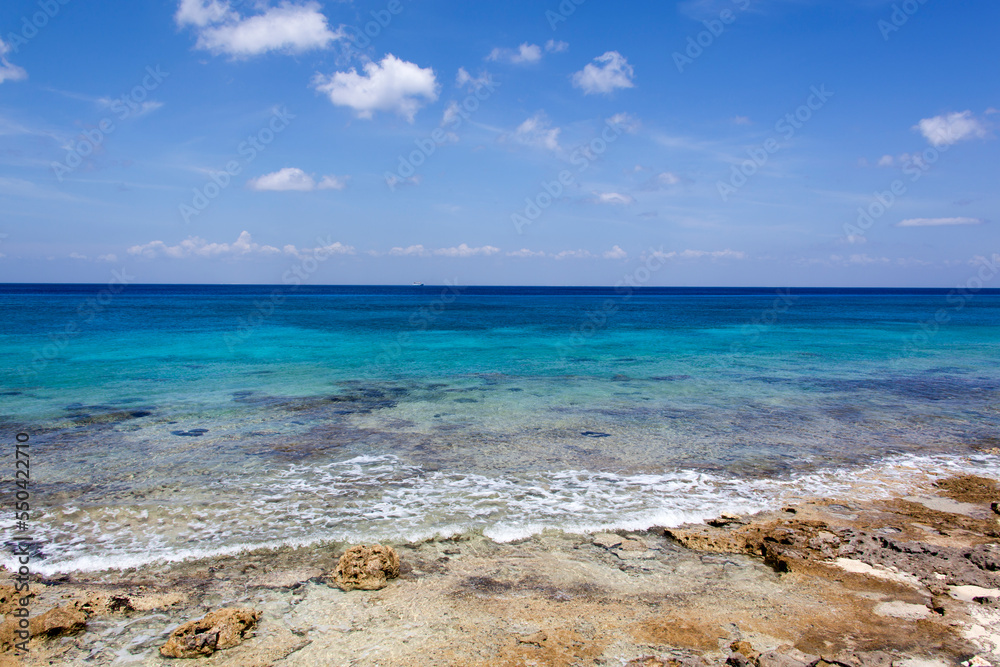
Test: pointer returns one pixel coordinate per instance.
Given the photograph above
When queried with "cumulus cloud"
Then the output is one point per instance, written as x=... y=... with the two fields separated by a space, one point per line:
x=662 y=181
x=625 y=121
x=524 y=54
x=552 y=46
x=465 y=80
x=9 y=72
x=615 y=253
x=462 y=250
x=939 y=222
x=465 y=251
x=605 y=74
x=244 y=246
x=390 y=85
x=612 y=198
x=947 y=129
x=525 y=253
x=290 y=27
x=294 y=179
x=537 y=133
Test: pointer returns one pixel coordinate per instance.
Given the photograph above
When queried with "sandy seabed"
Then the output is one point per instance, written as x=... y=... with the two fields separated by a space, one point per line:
x=908 y=581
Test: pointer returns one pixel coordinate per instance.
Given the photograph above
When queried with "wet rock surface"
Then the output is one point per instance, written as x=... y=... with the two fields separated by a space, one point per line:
x=216 y=631
x=839 y=584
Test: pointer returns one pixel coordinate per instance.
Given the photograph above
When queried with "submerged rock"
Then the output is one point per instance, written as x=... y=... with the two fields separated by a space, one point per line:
x=216 y=631
x=366 y=567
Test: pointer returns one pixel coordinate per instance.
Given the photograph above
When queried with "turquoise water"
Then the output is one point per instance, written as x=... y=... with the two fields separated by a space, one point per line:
x=175 y=421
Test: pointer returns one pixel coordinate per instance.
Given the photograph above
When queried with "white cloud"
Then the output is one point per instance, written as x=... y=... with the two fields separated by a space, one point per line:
x=289 y=178
x=391 y=85
x=886 y=161
x=663 y=181
x=625 y=121
x=741 y=120
x=701 y=254
x=294 y=179
x=573 y=254
x=465 y=251
x=611 y=72
x=288 y=27
x=244 y=246
x=110 y=257
x=9 y=72
x=524 y=54
x=951 y=128
x=417 y=250
x=537 y=133
x=552 y=46
x=464 y=79
x=612 y=198
x=332 y=183
x=76 y=255
x=939 y=222
x=524 y=252
x=615 y=253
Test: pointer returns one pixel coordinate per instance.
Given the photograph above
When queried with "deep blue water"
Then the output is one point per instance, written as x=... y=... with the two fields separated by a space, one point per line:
x=175 y=420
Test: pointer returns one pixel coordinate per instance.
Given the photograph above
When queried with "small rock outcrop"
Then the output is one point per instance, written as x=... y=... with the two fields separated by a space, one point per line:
x=221 y=629
x=366 y=567
x=58 y=622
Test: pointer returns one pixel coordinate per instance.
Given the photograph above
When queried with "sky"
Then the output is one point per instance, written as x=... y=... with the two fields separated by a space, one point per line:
x=581 y=142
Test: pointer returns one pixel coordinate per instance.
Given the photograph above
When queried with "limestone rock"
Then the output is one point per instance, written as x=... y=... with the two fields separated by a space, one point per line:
x=367 y=567
x=221 y=629
x=57 y=622
x=535 y=639
x=608 y=540
x=10 y=599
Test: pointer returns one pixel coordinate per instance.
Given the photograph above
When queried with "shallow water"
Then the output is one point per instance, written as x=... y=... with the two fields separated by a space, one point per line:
x=190 y=420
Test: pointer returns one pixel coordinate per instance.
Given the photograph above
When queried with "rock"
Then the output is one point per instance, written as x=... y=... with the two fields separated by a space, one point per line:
x=535 y=639
x=904 y=610
x=216 y=631
x=977 y=661
x=608 y=540
x=647 y=661
x=995 y=507
x=726 y=519
x=633 y=545
x=285 y=578
x=973 y=593
x=10 y=599
x=778 y=659
x=742 y=654
x=58 y=622
x=366 y=568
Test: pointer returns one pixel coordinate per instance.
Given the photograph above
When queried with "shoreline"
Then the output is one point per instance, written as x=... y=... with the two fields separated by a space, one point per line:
x=883 y=579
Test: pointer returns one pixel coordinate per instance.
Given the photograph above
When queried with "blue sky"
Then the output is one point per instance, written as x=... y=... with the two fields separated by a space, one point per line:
x=721 y=142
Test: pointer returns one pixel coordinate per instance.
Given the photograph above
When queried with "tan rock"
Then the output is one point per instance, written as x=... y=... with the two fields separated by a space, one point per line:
x=366 y=567
x=10 y=599
x=608 y=540
x=58 y=622
x=535 y=639
x=221 y=629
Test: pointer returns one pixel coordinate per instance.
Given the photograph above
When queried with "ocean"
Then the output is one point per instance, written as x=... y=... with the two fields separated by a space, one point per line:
x=168 y=422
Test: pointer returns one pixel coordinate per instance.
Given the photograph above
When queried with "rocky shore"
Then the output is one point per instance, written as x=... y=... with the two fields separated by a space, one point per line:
x=911 y=581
